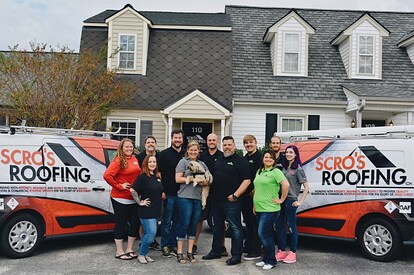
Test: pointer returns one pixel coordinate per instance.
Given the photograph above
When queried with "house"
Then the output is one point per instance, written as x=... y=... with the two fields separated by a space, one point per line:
x=256 y=70
x=180 y=64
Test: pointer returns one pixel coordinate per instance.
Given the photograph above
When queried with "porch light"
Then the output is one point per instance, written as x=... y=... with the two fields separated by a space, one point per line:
x=353 y=123
x=391 y=123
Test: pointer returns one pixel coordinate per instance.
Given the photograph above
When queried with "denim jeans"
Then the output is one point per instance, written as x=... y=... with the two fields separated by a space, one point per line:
x=169 y=222
x=232 y=212
x=266 y=235
x=190 y=213
x=287 y=217
x=149 y=227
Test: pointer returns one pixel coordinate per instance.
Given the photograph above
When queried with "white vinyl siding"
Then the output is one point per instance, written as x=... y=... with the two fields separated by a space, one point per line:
x=196 y=108
x=127 y=23
x=344 y=51
x=410 y=52
x=251 y=119
x=365 y=54
x=127 y=51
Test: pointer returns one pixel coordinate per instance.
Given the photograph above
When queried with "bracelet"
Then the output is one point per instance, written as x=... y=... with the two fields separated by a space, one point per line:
x=235 y=198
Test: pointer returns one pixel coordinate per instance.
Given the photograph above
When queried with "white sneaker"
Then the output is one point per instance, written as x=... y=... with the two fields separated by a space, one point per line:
x=142 y=259
x=149 y=259
x=260 y=264
x=268 y=266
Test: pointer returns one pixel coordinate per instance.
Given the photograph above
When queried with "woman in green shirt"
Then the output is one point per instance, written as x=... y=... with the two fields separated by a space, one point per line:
x=266 y=204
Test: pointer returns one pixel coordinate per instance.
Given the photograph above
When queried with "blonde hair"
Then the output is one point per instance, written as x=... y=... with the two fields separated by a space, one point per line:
x=190 y=144
x=120 y=153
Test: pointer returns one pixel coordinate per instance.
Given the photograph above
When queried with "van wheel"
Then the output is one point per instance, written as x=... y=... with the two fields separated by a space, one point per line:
x=20 y=236
x=379 y=240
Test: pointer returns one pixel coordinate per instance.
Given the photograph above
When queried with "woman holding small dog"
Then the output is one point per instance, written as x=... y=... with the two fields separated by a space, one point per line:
x=189 y=202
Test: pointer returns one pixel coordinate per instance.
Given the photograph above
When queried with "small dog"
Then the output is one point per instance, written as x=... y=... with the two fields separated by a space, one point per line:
x=200 y=176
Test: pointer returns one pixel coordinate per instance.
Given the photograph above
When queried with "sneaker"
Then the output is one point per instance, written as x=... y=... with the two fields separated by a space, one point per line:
x=280 y=255
x=251 y=257
x=260 y=264
x=233 y=261
x=155 y=246
x=290 y=258
x=224 y=252
x=173 y=251
x=268 y=266
x=166 y=252
x=149 y=259
x=142 y=259
x=194 y=249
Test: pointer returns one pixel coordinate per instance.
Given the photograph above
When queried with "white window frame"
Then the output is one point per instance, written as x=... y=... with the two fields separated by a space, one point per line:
x=126 y=120
x=284 y=52
x=295 y=117
x=359 y=54
x=121 y=51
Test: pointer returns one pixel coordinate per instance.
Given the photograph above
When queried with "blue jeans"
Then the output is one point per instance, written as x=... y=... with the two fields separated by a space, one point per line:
x=190 y=213
x=149 y=227
x=169 y=222
x=287 y=217
x=232 y=212
x=266 y=235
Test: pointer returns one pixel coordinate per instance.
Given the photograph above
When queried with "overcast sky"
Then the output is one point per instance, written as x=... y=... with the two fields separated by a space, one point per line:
x=59 y=22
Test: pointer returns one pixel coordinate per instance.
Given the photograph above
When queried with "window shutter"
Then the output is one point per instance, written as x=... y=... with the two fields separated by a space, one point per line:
x=145 y=130
x=313 y=122
x=271 y=126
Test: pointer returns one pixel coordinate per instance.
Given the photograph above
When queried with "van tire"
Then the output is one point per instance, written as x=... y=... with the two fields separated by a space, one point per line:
x=379 y=240
x=21 y=235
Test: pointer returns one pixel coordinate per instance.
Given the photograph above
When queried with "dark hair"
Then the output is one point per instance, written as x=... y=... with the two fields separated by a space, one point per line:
x=297 y=162
x=272 y=155
x=228 y=138
x=152 y=137
x=145 y=168
x=176 y=132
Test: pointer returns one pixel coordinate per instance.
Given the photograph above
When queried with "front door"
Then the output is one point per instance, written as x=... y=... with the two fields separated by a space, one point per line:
x=197 y=131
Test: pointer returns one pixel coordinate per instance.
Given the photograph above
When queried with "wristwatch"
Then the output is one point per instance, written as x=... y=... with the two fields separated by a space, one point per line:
x=235 y=198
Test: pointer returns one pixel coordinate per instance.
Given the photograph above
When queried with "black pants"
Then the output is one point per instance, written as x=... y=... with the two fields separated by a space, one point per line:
x=252 y=243
x=125 y=213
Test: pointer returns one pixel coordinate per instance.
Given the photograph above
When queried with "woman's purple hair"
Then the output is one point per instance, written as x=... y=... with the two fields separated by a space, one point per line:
x=297 y=162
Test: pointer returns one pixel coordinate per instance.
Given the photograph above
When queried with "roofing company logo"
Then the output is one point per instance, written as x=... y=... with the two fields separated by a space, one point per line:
x=1 y=204
x=12 y=203
x=405 y=207
x=390 y=207
x=353 y=168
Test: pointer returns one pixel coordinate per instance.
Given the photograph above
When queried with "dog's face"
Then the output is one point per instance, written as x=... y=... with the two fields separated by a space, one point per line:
x=196 y=167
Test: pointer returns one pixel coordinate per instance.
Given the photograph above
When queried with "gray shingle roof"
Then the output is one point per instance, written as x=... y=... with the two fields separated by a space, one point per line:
x=178 y=63
x=252 y=68
x=406 y=37
x=172 y=18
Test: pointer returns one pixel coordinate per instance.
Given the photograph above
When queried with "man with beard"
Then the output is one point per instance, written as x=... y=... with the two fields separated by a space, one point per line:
x=231 y=179
x=209 y=157
x=168 y=160
x=275 y=144
x=150 y=150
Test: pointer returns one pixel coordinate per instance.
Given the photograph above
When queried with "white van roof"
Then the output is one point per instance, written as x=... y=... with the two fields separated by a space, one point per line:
x=387 y=131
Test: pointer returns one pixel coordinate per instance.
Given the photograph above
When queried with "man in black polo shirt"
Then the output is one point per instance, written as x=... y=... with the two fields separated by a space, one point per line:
x=231 y=179
x=275 y=144
x=167 y=161
x=254 y=158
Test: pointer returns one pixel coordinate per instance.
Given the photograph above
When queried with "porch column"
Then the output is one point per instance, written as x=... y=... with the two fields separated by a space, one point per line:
x=170 y=124
x=222 y=131
x=409 y=118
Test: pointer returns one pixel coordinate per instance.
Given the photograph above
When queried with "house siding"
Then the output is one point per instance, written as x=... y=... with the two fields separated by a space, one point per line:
x=249 y=119
x=410 y=52
x=344 y=51
x=127 y=23
x=198 y=108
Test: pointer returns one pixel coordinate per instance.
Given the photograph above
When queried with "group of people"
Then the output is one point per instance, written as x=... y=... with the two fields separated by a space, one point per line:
x=264 y=188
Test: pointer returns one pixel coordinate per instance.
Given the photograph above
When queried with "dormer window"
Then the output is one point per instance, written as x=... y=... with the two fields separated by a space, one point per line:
x=365 y=54
x=291 y=52
x=127 y=51
x=289 y=43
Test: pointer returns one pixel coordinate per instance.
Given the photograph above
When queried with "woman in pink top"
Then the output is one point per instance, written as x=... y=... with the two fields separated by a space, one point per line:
x=121 y=174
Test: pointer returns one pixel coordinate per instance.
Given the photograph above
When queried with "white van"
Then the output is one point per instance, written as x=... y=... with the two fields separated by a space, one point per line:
x=51 y=185
x=361 y=185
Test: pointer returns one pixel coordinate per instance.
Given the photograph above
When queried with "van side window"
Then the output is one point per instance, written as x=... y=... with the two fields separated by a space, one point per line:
x=109 y=155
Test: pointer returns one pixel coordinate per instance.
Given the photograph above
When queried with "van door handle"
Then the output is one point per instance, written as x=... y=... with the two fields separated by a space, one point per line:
x=98 y=189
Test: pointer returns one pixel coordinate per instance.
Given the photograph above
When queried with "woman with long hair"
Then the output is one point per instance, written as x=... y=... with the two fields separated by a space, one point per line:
x=269 y=180
x=293 y=171
x=189 y=203
x=147 y=192
x=120 y=174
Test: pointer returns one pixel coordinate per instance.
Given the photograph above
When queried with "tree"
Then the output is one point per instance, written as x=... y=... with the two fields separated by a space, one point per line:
x=58 y=88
